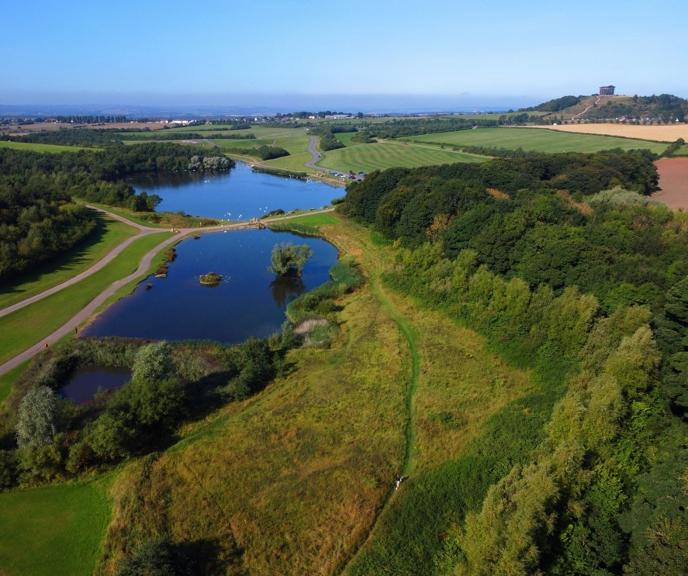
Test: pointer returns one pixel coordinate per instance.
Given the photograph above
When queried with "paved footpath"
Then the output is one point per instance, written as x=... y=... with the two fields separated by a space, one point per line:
x=104 y=261
x=87 y=311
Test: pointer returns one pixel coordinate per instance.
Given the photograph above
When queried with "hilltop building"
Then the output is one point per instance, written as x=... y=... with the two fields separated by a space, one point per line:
x=607 y=90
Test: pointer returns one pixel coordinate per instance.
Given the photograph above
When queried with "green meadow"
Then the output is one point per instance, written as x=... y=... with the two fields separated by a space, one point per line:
x=53 y=530
x=536 y=140
x=37 y=147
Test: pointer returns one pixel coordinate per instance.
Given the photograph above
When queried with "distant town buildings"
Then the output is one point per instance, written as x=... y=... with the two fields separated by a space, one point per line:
x=607 y=90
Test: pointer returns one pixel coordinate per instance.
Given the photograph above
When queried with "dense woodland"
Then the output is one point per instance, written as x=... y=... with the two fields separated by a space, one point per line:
x=566 y=269
x=38 y=216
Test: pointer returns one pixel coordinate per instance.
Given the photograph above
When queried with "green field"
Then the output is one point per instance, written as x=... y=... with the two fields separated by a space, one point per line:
x=390 y=154
x=53 y=530
x=25 y=327
x=110 y=234
x=36 y=147
x=536 y=140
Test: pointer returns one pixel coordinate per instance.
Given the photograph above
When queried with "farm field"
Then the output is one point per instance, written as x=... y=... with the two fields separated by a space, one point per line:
x=37 y=147
x=673 y=181
x=54 y=530
x=390 y=154
x=536 y=140
x=110 y=234
x=23 y=328
x=669 y=133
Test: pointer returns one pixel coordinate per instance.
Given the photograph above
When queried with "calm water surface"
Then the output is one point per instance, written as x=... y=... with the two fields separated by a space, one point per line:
x=240 y=194
x=85 y=382
x=249 y=302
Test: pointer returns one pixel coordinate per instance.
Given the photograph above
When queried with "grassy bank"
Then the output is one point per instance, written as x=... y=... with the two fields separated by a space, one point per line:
x=296 y=474
x=109 y=234
x=20 y=330
x=53 y=530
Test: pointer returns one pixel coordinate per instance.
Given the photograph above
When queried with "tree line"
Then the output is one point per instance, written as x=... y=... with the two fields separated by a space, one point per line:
x=592 y=295
x=39 y=218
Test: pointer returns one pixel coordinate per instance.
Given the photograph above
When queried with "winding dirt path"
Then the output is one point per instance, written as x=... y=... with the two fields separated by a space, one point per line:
x=87 y=311
x=584 y=112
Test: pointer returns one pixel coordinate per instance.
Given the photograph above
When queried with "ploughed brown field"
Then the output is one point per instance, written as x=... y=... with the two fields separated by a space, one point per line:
x=673 y=181
x=668 y=133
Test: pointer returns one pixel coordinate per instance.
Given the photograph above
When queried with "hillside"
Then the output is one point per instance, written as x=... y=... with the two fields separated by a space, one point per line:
x=664 y=108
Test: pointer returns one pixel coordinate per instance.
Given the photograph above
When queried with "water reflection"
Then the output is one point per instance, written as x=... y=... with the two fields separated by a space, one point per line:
x=285 y=289
x=86 y=382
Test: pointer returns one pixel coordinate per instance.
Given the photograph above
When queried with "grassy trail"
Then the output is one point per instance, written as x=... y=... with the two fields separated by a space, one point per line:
x=410 y=335
x=374 y=265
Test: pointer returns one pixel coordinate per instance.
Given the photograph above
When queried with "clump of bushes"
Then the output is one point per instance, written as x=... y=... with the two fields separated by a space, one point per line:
x=345 y=276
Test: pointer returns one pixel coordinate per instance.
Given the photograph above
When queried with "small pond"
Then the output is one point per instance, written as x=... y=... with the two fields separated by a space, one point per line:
x=85 y=382
x=240 y=194
x=250 y=301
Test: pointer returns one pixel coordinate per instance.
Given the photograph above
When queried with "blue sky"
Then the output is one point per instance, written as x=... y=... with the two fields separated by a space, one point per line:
x=206 y=50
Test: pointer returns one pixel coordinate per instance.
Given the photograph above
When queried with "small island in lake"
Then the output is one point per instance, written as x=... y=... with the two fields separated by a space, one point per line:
x=210 y=279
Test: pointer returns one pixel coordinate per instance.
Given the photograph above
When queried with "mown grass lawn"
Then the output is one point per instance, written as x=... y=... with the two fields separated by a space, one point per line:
x=536 y=140
x=25 y=327
x=109 y=234
x=391 y=154
x=53 y=530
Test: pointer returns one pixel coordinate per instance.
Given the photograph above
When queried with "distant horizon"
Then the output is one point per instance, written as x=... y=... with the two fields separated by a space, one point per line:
x=141 y=104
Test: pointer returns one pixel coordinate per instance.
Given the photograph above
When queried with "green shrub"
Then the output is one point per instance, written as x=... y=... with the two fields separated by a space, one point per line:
x=37 y=417
x=153 y=362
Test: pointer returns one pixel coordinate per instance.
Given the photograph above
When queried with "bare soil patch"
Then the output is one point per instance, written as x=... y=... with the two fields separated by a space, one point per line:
x=673 y=183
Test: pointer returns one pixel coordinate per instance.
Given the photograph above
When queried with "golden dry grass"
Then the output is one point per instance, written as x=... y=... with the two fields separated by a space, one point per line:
x=297 y=473
x=668 y=133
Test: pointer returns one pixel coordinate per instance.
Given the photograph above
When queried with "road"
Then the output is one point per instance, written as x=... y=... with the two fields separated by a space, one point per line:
x=315 y=154
x=85 y=313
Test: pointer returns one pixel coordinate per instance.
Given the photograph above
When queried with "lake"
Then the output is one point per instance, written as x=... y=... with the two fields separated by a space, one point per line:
x=85 y=382
x=238 y=195
x=250 y=301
